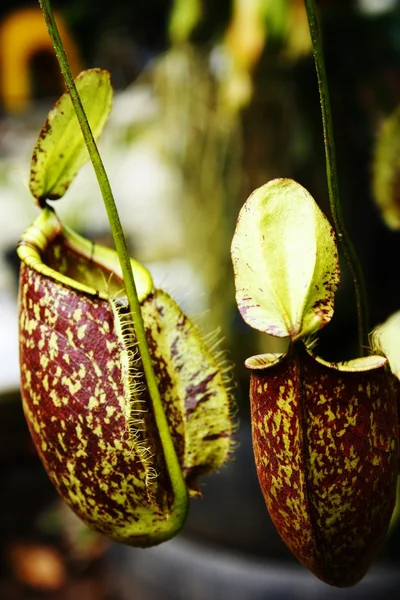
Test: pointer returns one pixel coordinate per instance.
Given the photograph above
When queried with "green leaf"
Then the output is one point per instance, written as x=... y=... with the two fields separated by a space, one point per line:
x=386 y=170
x=60 y=150
x=285 y=261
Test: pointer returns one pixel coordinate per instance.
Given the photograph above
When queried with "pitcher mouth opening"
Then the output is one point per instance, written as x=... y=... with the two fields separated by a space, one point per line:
x=58 y=252
x=366 y=363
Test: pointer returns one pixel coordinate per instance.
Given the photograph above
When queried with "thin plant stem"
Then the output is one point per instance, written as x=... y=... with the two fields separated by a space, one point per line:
x=180 y=504
x=332 y=178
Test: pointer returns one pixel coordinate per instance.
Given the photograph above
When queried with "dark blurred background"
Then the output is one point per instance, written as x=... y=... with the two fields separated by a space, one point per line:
x=212 y=99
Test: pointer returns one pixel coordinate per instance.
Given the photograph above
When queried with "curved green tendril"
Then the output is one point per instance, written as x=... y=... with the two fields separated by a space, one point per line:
x=180 y=505
x=332 y=178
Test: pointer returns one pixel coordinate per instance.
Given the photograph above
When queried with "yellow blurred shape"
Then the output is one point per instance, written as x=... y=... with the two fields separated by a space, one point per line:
x=23 y=34
x=246 y=34
x=298 y=39
x=244 y=42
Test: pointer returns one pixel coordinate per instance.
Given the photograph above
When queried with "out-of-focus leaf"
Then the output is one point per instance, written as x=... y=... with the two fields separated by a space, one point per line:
x=244 y=42
x=276 y=15
x=285 y=261
x=60 y=150
x=298 y=42
x=246 y=34
x=184 y=17
x=386 y=170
